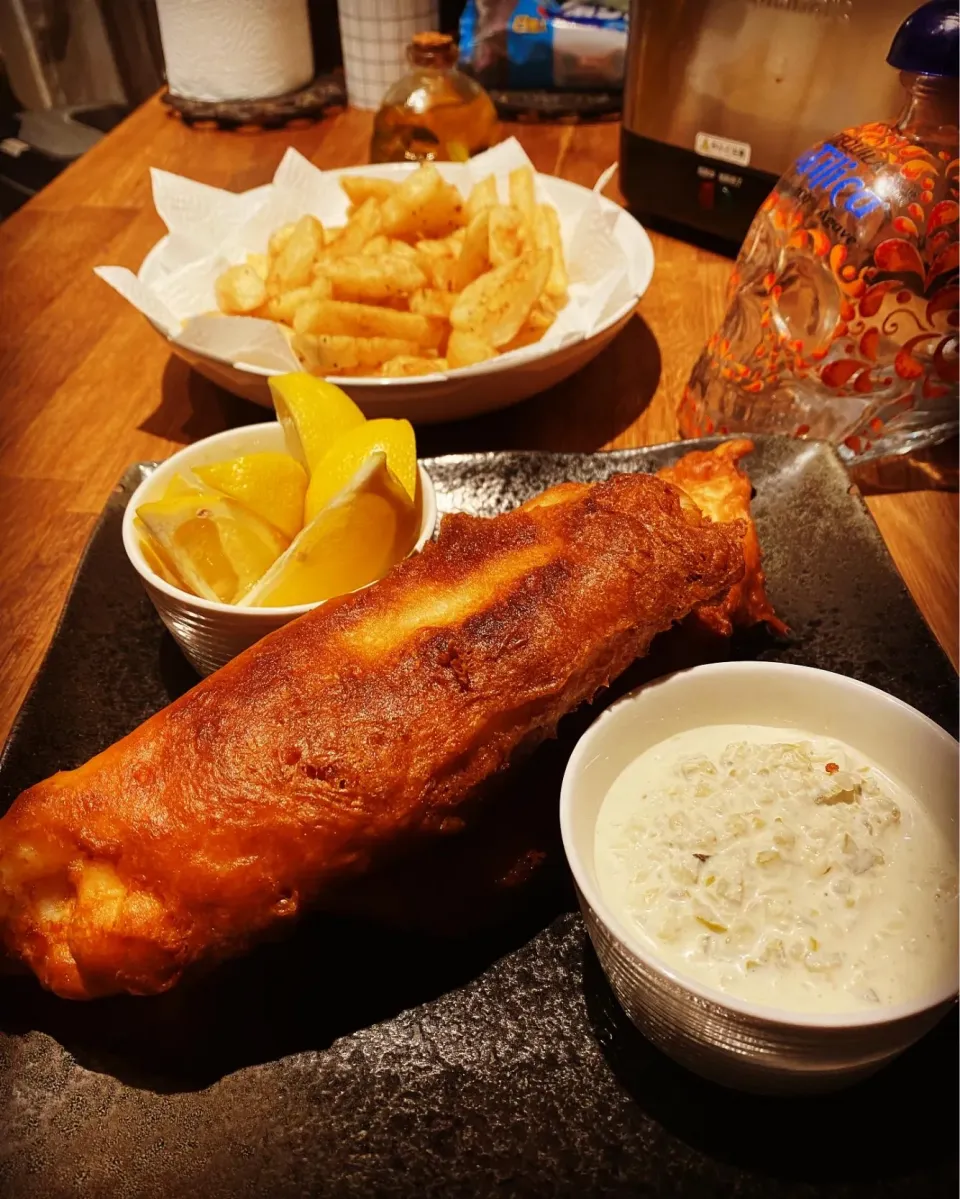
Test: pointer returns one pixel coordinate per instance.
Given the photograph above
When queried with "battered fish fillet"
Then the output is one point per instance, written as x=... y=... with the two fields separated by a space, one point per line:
x=359 y=730
x=713 y=480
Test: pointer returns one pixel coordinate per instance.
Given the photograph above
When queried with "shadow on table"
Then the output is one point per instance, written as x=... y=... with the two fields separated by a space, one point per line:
x=901 y=1120
x=193 y=407
x=582 y=413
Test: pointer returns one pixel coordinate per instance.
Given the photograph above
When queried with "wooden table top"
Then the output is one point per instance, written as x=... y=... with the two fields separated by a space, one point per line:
x=89 y=388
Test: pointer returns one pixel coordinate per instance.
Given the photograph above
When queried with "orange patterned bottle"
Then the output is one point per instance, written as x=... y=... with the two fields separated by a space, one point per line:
x=842 y=319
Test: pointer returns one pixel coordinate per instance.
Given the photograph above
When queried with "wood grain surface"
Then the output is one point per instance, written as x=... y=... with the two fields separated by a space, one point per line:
x=89 y=388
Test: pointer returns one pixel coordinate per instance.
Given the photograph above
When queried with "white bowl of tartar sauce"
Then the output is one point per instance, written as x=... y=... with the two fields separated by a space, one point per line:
x=766 y=861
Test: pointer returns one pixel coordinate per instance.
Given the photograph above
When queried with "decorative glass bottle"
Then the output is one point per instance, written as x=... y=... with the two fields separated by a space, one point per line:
x=435 y=112
x=842 y=322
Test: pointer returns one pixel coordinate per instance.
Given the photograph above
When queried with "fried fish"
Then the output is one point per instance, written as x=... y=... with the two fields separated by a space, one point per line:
x=359 y=731
x=722 y=491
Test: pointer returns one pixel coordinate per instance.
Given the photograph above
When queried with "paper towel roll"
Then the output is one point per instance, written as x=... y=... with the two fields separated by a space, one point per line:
x=235 y=49
x=375 y=35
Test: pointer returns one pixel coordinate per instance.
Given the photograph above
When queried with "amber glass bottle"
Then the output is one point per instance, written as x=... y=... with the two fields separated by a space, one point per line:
x=435 y=112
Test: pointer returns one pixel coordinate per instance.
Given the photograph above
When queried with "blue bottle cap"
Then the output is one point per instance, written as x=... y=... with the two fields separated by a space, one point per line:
x=928 y=42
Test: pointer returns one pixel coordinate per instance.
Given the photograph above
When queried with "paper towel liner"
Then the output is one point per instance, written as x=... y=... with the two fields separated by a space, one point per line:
x=209 y=229
x=235 y=49
x=374 y=35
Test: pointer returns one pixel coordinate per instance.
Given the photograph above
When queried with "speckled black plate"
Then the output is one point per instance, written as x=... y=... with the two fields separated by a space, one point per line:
x=358 y=1060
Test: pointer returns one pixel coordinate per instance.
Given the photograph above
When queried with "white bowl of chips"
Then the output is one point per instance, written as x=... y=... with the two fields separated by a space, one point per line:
x=415 y=309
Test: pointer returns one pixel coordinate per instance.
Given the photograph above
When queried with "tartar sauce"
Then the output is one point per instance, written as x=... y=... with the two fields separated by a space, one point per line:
x=779 y=867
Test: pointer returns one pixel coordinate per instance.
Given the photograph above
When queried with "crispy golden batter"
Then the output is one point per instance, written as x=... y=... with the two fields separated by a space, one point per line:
x=715 y=483
x=344 y=737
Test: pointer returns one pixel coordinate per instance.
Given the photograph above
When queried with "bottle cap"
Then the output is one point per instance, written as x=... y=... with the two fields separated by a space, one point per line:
x=432 y=50
x=928 y=42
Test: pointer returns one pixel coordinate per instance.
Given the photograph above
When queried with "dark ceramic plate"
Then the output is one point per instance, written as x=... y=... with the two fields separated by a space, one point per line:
x=359 y=1059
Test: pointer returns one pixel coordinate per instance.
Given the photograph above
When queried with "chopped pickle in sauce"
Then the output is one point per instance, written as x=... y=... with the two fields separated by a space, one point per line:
x=829 y=887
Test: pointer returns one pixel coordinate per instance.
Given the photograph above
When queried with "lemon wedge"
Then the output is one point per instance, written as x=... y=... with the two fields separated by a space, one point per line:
x=271 y=484
x=181 y=485
x=392 y=438
x=353 y=540
x=217 y=546
x=313 y=414
x=155 y=556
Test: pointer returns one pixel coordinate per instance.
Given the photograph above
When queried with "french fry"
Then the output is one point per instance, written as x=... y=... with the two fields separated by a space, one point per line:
x=373 y=279
x=424 y=204
x=403 y=249
x=260 y=263
x=507 y=238
x=368 y=320
x=284 y=307
x=432 y=302
x=437 y=247
x=358 y=231
x=474 y=255
x=547 y=235
x=279 y=238
x=495 y=306
x=360 y=188
x=324 y=354
x=484 y=195
x=404 y=368
x=379 y=245
x=541 y=317
x=417 y=281
x=240 y=290
x=442 y=271
x=293 y=266
x=522 y=194
x=542 y=314
x=467 y=349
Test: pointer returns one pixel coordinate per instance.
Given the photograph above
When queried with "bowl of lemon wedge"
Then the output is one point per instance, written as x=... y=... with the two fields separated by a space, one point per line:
x=242 y=532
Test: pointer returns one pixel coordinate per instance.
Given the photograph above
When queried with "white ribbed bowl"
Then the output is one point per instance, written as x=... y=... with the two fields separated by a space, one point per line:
x=210 y=634
x=728 y=1040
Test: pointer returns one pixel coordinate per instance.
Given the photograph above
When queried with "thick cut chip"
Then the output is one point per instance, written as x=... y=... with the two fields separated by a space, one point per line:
x=368 y=320
x=522 y=194
x=279 y=238
x=474 y=258
x=484 y=195
x=424 y=205
x=360 y=188
x=240 y=290
x=508 y=234
x=361 y=228
x=293 y=266
x=377 y=246
x=467 y=349
x=433 y=302
x=495 y=306
x=373 y=279
x=259 y=263
x=284 y=307
x=403 y=367
x=336 y=355
x=402 y=248
x=547 y=234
